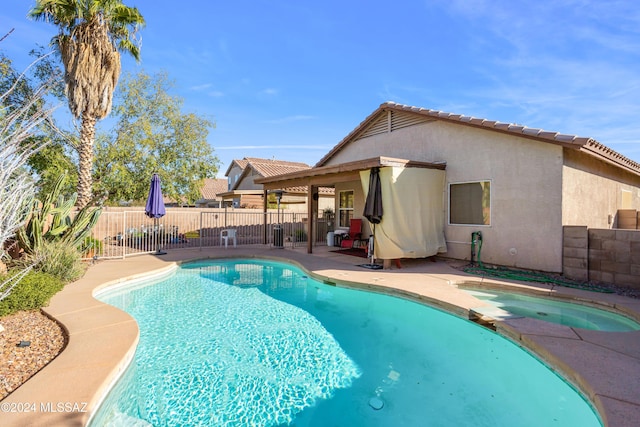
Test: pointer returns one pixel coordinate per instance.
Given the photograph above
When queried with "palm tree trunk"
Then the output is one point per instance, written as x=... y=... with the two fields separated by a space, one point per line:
x=85 y=161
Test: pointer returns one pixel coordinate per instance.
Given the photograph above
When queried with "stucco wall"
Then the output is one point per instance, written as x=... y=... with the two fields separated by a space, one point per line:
x=234 y=173
x=593 y=191
x=358 y=202
x=526 y=187
x=247 y=182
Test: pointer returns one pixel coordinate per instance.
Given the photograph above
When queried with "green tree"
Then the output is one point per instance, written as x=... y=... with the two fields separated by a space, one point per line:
x=91 y=35
x=153 y=135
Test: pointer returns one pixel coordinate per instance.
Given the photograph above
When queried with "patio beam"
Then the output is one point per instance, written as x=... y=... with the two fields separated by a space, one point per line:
x=329 y=175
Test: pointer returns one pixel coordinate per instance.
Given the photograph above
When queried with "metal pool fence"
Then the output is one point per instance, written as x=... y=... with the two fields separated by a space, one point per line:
x=123 y=233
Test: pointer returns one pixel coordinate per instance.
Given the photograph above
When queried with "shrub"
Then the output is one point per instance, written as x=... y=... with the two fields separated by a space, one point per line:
x=32 y=292
x=59 y=259
x=301 y=235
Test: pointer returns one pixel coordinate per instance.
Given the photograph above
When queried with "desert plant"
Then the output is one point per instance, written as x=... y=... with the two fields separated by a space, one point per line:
x=90 y=245
x=57 y=259
x=51 y=220
x=32 y=292
x=18 y=123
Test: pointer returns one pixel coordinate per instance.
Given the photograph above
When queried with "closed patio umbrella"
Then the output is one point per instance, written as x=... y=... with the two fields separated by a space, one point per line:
x=155 y=206
x=373 y=210
x=373 y=204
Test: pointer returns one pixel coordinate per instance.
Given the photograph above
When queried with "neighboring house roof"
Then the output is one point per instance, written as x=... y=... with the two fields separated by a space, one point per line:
x=209 y=192
x=381 y=120
x=267 y=167
x=212 y=187
x=242 y=163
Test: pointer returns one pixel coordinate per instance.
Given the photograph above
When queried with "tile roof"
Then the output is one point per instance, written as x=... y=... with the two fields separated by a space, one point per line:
x=589 y=145
x=272 y=167
x=242 y=164
x=492 y=124
x=267 y=167
x=212 y=187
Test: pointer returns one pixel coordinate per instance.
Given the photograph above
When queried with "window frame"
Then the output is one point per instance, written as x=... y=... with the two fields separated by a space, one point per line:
x=345 y=209
x=490 y=207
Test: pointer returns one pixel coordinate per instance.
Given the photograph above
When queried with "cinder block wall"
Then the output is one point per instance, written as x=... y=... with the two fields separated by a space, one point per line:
x=609 y=256
x=627 y=219
x=575 y=252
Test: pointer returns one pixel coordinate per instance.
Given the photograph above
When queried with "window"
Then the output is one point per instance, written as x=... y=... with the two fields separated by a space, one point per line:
x=345 y=210
x=470 y=203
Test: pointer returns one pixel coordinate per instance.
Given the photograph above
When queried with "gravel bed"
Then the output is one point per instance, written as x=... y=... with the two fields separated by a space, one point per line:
x=594 y=286
x=18 y=364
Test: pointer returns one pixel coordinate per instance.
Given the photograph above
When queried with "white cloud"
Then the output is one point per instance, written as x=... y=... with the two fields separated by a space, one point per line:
x=270 y=92
x=201 y=87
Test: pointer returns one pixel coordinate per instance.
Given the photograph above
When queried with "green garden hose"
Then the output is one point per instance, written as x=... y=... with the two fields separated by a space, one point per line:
x=520 y=275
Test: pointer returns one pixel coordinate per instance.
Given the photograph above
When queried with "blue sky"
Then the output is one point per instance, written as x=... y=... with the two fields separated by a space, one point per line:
x=289 y=79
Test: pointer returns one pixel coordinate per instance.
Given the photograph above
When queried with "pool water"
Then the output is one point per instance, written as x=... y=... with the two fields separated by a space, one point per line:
x=258 y=343
x=560 y=312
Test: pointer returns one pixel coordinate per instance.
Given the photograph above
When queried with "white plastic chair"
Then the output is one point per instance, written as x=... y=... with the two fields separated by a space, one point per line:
x=226 y=235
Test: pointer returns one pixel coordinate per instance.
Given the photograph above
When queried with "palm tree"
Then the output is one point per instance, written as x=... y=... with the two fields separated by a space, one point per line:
x=91 y=35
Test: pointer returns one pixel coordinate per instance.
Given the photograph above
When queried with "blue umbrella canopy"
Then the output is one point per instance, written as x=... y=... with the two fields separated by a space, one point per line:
x=155 y=203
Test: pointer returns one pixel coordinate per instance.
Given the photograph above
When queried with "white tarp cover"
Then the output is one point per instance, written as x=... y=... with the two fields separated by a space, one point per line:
x=412 y=225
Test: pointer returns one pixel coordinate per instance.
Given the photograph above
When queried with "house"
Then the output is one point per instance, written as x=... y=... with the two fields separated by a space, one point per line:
x=210 y=190
x=453 y=175
x=243 y=192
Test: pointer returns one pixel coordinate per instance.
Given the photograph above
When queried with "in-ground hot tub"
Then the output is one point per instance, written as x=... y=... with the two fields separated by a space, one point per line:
x=573 y=314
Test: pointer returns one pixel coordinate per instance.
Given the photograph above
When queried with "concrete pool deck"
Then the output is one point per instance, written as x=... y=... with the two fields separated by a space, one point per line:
x=605 y=366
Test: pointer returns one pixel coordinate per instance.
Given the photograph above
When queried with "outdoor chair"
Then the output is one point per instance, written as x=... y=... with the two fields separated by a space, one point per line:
x=354 y=235
x=226 y=235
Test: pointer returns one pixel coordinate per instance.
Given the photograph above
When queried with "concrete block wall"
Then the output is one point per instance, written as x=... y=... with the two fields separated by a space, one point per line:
x=609 y=256
x=575 y=252
x=627 y=219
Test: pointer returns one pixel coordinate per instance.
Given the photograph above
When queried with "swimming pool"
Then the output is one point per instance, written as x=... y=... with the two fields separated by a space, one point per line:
x=258 y=343
x=554 y=311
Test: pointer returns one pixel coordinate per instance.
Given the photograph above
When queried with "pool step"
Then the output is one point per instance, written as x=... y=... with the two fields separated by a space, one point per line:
x=487 y=316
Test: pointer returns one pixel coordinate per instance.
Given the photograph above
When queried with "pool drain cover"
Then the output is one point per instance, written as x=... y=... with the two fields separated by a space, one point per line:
x=376 y=403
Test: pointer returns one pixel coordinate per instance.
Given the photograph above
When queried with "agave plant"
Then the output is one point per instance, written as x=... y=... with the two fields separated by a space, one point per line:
x=52 y=219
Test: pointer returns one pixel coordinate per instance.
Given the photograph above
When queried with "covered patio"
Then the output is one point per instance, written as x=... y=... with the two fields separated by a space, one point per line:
x=412 y=197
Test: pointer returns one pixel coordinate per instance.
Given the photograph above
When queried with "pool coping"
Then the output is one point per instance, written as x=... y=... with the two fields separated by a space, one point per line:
x=605 y=366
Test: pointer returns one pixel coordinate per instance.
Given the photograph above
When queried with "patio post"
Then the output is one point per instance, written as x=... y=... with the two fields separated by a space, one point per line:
x=311 y=208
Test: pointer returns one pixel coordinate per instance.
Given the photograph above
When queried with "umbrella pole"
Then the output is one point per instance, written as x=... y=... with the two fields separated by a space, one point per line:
x=156 y=230
x=372 y=245
x=372 y=265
